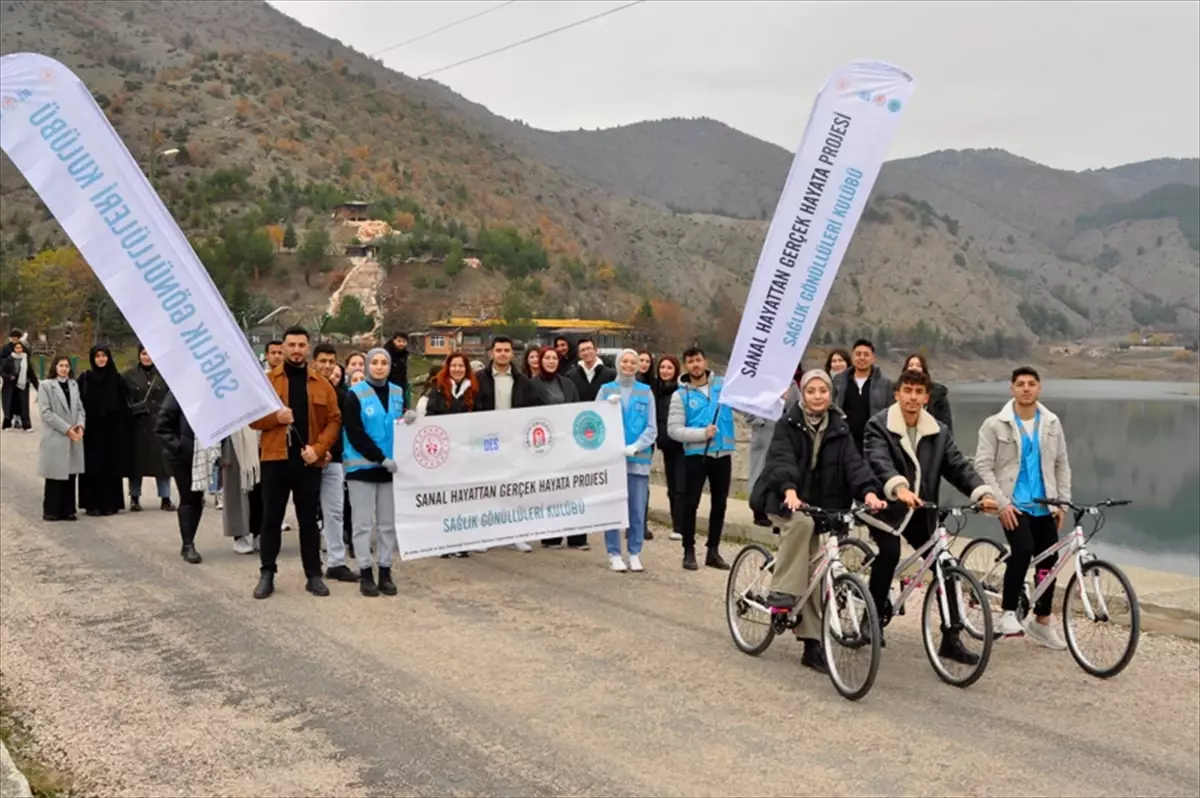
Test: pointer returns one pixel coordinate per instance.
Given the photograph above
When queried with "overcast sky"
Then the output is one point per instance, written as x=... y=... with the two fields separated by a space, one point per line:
x=1074 y=85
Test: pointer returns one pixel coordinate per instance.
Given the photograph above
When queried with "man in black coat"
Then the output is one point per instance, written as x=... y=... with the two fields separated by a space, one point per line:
x=811 y=461
x=861 y=391
x=911 y=453
x=590 y=372
x=179 y=447
x=502 y=387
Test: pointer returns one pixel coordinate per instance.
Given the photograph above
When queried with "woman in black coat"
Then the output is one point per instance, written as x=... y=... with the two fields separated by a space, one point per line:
x=146 y=394
x=556 y=389
x=106 y=441
x=455 y=390
x=939 y=395
x=664 y=388
x=17 y=372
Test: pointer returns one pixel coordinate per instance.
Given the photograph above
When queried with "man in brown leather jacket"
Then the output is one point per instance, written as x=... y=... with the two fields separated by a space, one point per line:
x=294 y=442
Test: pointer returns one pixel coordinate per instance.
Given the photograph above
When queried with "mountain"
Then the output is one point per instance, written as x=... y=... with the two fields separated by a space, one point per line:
x=276 y=123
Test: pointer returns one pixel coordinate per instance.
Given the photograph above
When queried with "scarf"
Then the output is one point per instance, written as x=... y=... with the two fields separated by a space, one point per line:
x=202 y=465
x=458 y=389
x=22 y=362
x=245 y=449
x=370 y=355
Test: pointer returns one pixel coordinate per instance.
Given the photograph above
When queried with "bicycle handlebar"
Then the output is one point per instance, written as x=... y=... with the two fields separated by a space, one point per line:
x=1083 y=508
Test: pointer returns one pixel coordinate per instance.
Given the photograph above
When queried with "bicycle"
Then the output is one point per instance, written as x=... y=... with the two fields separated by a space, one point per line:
x=935 y=557
x=1101 y=610
x=853 y=626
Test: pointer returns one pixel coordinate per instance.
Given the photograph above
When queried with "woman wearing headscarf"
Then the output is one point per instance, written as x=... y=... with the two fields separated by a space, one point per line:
x=761 y=431
x=641 y=430
x=146 y=394
x=18 y=379
x=60 y=454
x=105 y=399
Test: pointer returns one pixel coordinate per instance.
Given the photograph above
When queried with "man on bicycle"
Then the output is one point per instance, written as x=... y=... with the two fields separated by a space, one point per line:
x=911 y=452
x=812 y=459
x=1022 y=454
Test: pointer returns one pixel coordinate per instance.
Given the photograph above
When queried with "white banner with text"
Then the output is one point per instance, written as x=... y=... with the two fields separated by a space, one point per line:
x=847 y=136
x=489 y=479
x=61 y=141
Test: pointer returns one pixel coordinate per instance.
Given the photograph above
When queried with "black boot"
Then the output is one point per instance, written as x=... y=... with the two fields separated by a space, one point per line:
x=953 y=650
x=649 y=535
x=814 y=657
x=168 y=506
x=341 y=573
x=689 y=560
x=366 y=583
x=316 y=586
x=135 y=504
x=386 y=586
x=189 y=553
x=715 y=560
x=266 y=585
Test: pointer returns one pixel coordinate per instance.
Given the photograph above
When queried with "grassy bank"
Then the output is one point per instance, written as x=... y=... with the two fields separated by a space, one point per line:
x=44 y=781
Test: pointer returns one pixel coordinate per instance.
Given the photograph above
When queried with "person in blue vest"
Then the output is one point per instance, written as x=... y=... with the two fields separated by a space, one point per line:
x=641 y=429
x=705 y=428
x=368 y=420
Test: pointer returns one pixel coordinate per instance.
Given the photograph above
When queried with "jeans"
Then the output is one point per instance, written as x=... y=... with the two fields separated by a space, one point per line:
x=280 y=480
x=332 y=479
x=718 y=472
x=162 y=483
x=374 y=506
x=214 y=479
x=639 y=497
x=1033 y=535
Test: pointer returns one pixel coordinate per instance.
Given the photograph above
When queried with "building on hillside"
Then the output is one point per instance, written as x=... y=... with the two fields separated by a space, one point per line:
x=364 y=249
x=355 y=211
x=473 y=336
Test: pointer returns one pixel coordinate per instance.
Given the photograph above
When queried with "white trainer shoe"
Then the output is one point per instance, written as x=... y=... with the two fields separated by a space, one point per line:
x=675 y=536
x=635 y=563
x=522 y=546
x=1044 y=634
x=243 y=545
x=1009 y=626
x=616 y=564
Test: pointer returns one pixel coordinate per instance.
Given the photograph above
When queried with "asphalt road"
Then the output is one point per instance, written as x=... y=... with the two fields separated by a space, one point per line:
x=517 y=674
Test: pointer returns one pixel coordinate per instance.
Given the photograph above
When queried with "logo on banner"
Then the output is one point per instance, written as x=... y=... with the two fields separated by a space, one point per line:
x=538 y=436
x=431 y=447
x=589 y=430
x=486 y=444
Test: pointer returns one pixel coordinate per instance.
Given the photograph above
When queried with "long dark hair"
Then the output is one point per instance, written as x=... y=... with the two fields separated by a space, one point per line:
x=649 y=376
x=920 y=359
x=525 y=360
x=843 y=354
x=54 y=367
x=674 y=361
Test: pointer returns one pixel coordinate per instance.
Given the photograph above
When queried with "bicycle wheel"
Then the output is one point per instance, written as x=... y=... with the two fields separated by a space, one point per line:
x=853 y=653
x=987 y=560
x=976 y=620
x=749 y=578
x=855 y=554
x=1116 y=619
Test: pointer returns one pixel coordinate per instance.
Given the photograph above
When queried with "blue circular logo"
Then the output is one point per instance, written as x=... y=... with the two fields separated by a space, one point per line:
x=589 y=430
x=894 y=105
x=865 y=96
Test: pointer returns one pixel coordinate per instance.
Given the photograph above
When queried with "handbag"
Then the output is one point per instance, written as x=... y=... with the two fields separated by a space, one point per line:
x=142 y=408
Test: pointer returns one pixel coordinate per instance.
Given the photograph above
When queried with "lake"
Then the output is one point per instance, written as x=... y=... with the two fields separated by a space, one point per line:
x=1126 y=440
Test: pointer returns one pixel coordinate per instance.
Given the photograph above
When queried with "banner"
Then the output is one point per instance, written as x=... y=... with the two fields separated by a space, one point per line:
x=844 y=143
x=58 y=137
x=488 y=479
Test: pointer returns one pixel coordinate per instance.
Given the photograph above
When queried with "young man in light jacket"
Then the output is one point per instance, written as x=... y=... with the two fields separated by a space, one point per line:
x=1022 y=455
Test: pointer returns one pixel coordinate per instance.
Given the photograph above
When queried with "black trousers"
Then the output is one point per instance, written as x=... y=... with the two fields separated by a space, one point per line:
x=718 y=473
x=676 y=474
x=255 y=499
x=191 y=504
x=282 y=479
x=883 y=570
x=58 y=499
x=16 y=405
x=1033 y=535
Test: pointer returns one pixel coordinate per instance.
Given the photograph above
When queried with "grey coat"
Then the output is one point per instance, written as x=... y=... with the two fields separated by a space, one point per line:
x=761 y=432
x=58 y=456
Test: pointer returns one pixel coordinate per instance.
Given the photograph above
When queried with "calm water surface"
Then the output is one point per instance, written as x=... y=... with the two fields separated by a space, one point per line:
x=1126 y=440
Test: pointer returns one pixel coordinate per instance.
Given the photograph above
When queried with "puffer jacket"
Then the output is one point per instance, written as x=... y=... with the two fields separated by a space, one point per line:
x=998 y=455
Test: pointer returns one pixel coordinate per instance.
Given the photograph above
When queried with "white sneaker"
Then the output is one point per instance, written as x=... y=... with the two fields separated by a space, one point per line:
x=674 y=536
x=242 y=545
x=635 y=563
x=1009 y=626
x=522 y=547
x=1044 y=634
x=616 y=564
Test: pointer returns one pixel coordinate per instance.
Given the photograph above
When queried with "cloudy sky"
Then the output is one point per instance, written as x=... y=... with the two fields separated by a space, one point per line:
x=1073 y=85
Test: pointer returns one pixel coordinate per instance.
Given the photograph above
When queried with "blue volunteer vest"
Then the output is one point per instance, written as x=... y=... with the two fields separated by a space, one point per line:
x=700 y=410
x=636 y=416
x=378 y=423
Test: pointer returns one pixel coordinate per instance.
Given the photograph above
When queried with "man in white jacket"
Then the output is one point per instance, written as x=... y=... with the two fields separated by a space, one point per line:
x=1022 y=455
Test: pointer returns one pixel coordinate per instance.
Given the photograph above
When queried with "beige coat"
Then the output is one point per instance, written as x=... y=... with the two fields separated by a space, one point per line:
x=998 y=456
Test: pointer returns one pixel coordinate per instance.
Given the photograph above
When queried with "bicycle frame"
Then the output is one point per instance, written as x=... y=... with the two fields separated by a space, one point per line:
x=936 y=549
x=1072 y=545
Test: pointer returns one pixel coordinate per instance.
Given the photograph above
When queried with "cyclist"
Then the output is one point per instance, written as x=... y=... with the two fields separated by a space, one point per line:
x=911 y=453
x=1022 y=454
x=812 y=459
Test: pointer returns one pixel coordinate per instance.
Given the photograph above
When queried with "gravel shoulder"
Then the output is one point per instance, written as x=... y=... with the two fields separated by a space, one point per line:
x=512 y=674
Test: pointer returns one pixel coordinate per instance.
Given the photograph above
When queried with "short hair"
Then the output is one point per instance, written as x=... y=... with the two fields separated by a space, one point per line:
x=274 y=342
x=914 y=378
x=324 y=348
x=562 y=338
x=1026 y=371
x=15 y=333
x=396 y=335
x=863 y=342
x=54 y=366
x=584 y=340
x=295 y=330
x=842 y=353
x=693 y=351
x=500 y=339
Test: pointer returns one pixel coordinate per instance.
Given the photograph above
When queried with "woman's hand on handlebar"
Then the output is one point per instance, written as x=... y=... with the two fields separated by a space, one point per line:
x=873 y=502
x=909 y=498
x=791 y=500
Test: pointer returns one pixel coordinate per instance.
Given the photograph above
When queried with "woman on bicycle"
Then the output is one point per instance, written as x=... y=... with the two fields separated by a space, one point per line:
x=812 y=460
